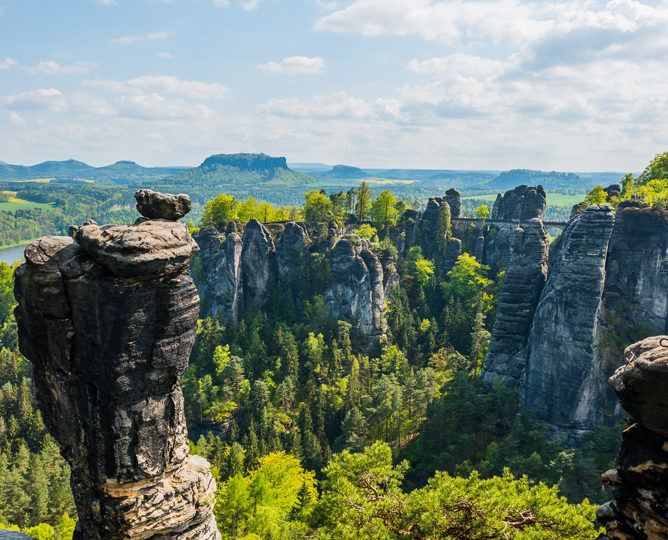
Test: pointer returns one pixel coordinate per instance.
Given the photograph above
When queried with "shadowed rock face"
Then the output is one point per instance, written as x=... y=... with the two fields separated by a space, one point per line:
x=454 y=199
x=108 y=321
x=521 y=203
x=562 y=378
x=639 y=482
x=524 y=280
x=356 y=291
x=234 y=272
x=154 y=205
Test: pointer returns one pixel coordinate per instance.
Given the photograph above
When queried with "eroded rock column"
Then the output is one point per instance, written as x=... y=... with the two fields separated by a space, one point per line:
x=639 y=482
x=108 y=320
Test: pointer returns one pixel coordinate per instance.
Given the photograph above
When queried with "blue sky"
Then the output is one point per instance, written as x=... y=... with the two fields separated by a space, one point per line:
x=575 y=85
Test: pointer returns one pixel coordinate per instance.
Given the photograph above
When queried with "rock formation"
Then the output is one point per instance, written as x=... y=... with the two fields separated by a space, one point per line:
x=454 y=200
x=108 y=320
x=154 y=205
x=356 y=292
x=639 y=482
x=525 y=277
x=233 y=273
x=432 y=226
x=562 y=378
x=521 y=203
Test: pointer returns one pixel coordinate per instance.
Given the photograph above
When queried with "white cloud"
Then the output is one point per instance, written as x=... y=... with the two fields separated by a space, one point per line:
x=164 y=55
x=334 y=106
x=221 y=3
x=164 y=84
x=129 y=40
x=7 y=63
x=16 y=119
x=107 y=2
x=295 y=65
x=457 y=64
x=43 y=98
x=250 y=5
x=49 y=67
x=157 y=107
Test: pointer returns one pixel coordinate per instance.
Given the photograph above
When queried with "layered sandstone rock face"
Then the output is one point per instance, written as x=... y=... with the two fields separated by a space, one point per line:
x=108 y=321
x=639 y=482
x=521 y=203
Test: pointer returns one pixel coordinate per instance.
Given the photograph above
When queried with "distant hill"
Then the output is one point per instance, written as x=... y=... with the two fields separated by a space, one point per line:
x=239 y=169
x=309 y=167
x=121 y=172
x=343 y=172
x=549 y=180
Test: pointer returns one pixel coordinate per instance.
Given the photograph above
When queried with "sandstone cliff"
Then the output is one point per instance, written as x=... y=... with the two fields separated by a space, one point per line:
x=233 y=273
x=108 y=321
x=639 y=482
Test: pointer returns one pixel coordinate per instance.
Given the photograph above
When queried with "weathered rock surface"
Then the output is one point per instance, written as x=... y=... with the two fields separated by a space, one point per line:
x=431 y=228
x=356 y=291
x=639 y=482
x=525 y=278
x=108 y=325
x=521 y=203
x=454 y=200
x=154 y=205
x=151 y=248
x=232 y=279
x=562 y=378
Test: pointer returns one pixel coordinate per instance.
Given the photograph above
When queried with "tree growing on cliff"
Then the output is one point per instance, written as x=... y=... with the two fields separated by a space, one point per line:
x=219 y=210
x=383 y=210
x=317 y=206
x=363 y=204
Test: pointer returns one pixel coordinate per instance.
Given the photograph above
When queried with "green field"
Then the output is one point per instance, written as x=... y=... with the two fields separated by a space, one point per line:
x=13 y=203
x=553 y=199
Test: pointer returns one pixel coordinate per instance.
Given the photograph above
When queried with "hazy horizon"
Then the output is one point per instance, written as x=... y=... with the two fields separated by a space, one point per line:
x=486 y=85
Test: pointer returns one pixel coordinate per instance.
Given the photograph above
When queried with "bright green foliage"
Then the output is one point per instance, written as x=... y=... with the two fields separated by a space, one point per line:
x=271 y=501
x=656 y=170
x=219 y=210
x=596 y=195
x=482 y=212
x=317 y=207
x=362 y=498
x=366 y=231
x=249 y=209
x=383 y=210
x=468 y=281
x=363 y=204
x=420 y=268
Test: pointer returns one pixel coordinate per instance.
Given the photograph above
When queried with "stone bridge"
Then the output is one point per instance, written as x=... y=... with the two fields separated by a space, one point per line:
x=504 y=223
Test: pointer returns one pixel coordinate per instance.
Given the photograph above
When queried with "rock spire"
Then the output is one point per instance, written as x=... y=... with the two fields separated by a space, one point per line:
x=108 y=320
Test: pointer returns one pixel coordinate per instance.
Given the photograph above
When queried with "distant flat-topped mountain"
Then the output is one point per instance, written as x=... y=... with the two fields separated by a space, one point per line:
x=343 y=172
x=240 y=169
x=121 y=172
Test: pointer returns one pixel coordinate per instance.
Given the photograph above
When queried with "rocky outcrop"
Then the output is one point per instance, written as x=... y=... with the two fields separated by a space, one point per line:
x=356 y=292
x=525 y=278
x=217 y=272
x=233 y=273
x=108 y=320
x=258 y=263
x=154 y=205
x=639 y=482
x=562 y=379
x=521 y=203
x=432 y=227
x=454 y=200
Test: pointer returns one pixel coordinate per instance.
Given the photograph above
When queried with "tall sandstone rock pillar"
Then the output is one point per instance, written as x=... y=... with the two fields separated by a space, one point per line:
x=108 y=320
x=639 y=508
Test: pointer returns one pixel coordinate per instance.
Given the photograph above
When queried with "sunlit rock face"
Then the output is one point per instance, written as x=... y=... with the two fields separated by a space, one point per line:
x=562 y=378
x=108 y=320
x=639 y=482
x=521 y=203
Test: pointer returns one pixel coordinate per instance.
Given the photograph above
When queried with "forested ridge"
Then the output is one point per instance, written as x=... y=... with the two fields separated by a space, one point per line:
x=311 y=431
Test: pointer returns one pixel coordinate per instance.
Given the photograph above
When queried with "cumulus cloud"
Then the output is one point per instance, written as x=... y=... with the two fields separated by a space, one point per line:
x=250 y=5
x=49 y=67
x=221 y=3
x=334 y=106
x=16 y=119
x=295 y=65
x=129 y=40
x=7 y=63
x=163 y=84
x=157 y=107
x=42 y=98
x=164 y=54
